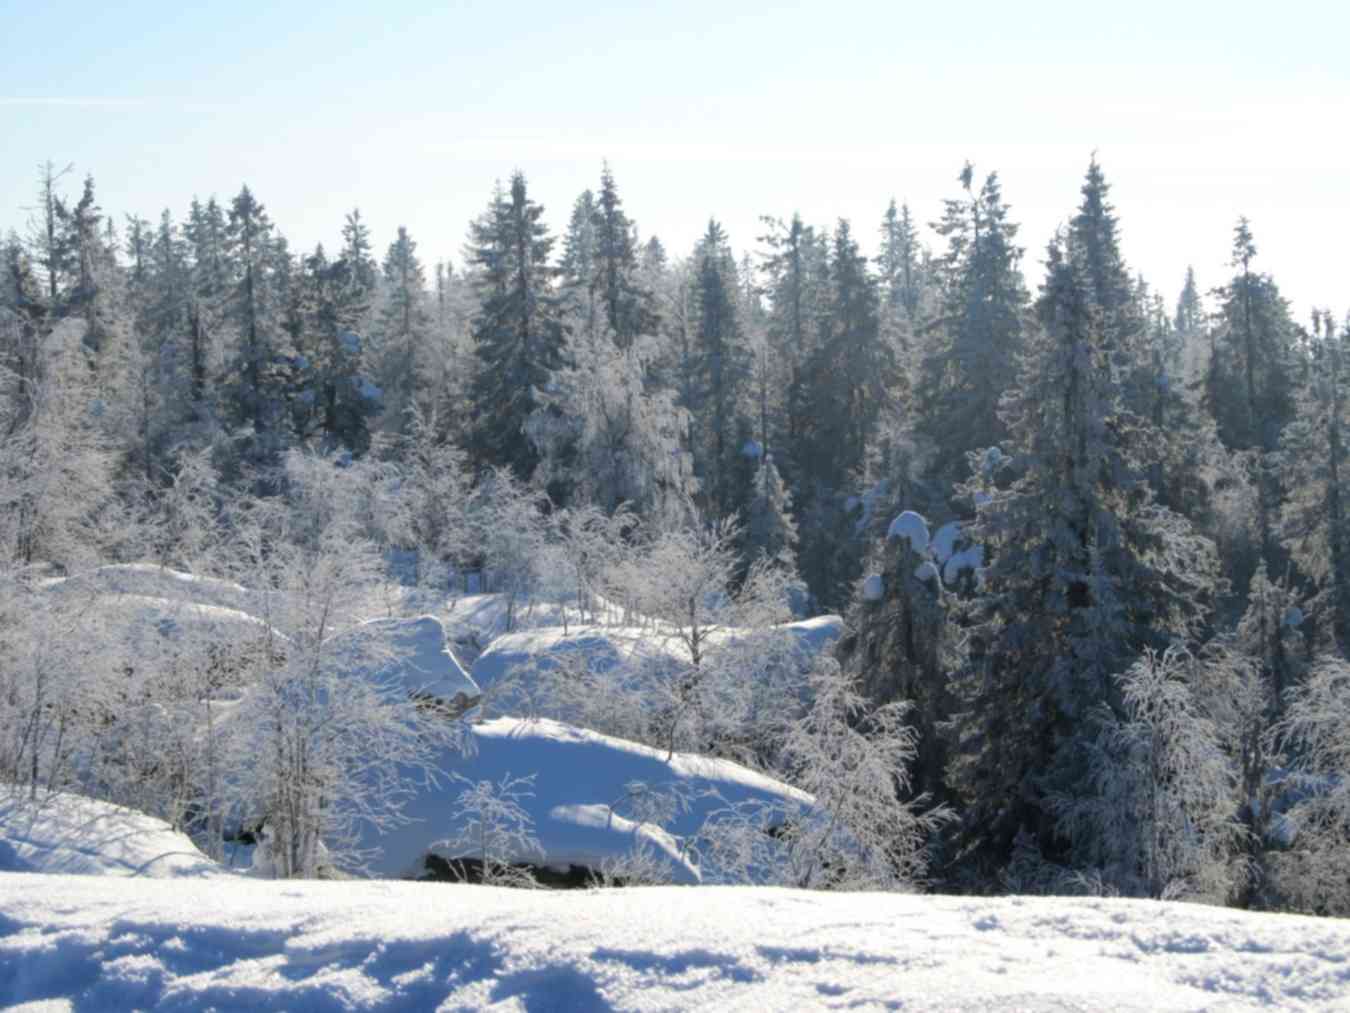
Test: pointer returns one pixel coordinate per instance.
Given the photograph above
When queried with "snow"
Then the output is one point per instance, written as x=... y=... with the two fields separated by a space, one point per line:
x=872 y=588
x=77 y=943
x=944 y=541
x=971 y=558
x=912 y=526
x=602 y=647
x=76 y=835
x=926 y=571
x=815 y=634
x=154 y=581
x=580 y=776
x=425 y=663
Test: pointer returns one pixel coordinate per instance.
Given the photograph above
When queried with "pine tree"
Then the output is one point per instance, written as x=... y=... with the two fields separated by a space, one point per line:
x=628 y=307
x=406 y=357
x=973 y=354
x=719 y=373
x=796 y=287
x=517 y=334
x=849 y=377
x=248 y=245
x=1086 y=572
x=205 y=232
x=577 y=268
x=1314 y=523
x=770 y=531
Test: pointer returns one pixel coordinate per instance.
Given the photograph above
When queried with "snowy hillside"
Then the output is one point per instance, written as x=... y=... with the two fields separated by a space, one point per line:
x=80 y=943
x=581 y=800
x=70 y=834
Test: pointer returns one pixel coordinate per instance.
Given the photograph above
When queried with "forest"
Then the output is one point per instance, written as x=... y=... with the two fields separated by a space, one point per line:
x=1087 y=542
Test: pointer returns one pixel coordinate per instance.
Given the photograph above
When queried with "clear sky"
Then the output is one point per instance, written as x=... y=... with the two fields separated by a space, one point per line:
x=1198 y=111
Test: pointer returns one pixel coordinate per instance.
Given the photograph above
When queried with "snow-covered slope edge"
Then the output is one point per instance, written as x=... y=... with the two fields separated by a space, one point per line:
x=72 y=834
x=120 y=944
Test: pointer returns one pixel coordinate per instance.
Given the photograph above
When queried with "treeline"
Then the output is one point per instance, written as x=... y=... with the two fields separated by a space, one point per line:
x=1133 y=687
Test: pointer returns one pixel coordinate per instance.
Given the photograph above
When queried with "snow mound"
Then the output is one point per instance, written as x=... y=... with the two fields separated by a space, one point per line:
x=913 y=527
x=154 y=581
x=426 y=666
x=926 y=571
x=872 y=587
x=944 y=541
x=580 y=777
x=599 y=648
x=71 y=943
x=71 y=834
x=815 y=634
x=971 y=558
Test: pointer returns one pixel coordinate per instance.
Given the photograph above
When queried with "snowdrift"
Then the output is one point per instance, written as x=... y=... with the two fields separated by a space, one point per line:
x=107 y=944
x=581 y=801
x=73 y=834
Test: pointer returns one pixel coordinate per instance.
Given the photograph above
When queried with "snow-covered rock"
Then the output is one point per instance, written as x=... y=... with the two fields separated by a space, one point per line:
x=581 y=778
x=872 y=587
x=913 y=527
x=425 y=665
x=66 y=833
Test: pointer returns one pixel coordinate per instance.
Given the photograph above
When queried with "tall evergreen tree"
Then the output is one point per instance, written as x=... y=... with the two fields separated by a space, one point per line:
x=973 y=354
x=1314 y=523
x=248 y=244
x=518 y=338
x=720 y=371
x=628 y=307
x=1086 y=572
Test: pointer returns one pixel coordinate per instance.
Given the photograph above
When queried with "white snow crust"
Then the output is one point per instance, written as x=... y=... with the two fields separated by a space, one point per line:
x=77 y=835
x=69 y=942
x=912 y=526
x=580 y=776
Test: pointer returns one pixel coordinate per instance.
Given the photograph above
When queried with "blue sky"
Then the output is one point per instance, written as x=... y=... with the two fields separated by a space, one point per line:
x=1198 y=112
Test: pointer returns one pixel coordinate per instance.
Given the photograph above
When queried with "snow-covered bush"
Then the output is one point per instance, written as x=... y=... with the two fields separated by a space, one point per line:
x=1313 y=874
x=492 y=828
x=1164 y=820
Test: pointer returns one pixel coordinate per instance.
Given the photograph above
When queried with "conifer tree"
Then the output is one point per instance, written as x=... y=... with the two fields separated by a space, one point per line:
x=1086 y=572
x=628 y=308
x=770 y=531
x=973 y=353
x=406 y=366
x=577 y=268
x=518 y=338
x=719 y=374
x=248 y=243
x=1314 y=524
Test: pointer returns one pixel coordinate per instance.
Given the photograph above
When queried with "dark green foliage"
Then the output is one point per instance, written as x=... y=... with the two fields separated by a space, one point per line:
x=518 y=338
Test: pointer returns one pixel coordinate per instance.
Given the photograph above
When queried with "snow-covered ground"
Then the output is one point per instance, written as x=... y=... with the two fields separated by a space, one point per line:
x=70 y=834
x=71 y=942
x=581 y=799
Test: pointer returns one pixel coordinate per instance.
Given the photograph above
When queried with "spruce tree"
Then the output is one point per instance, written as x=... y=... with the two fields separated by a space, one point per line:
x=973 y=353
x=248 y=242
x=405 y=357
x=628 y=307
x=1314 y=523
x=518 y=338
x=1086 y=572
